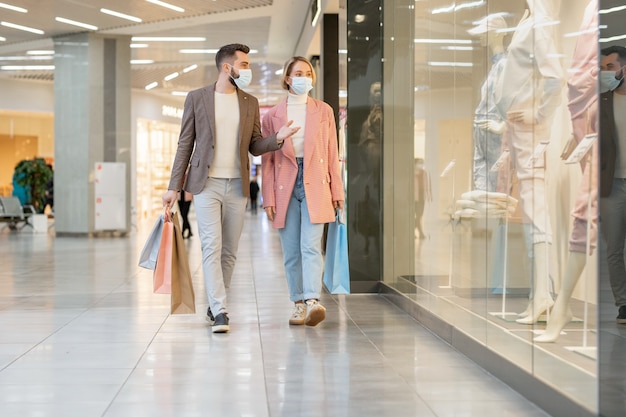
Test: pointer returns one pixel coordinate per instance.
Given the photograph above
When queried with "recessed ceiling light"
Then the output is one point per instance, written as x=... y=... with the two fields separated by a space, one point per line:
x=151 y=85
x=141 y=61
x=27 y=67
x=14 y=8
x=34 y=52
x=167 y=5
x=121 y=15
x=167 y=39
x=171 y=76
x=190 y=68
x=24 y=28
x=75 y=23
x=198 y=51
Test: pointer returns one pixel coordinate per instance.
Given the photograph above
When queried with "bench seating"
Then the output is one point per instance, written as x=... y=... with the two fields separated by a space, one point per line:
x=13 y=213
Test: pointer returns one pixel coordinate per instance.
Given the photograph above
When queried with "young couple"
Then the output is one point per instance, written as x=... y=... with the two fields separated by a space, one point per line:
x=301 y=187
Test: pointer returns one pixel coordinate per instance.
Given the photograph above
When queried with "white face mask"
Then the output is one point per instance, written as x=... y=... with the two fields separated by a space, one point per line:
x=245 y=77
x=301 y=85
x=608 y=82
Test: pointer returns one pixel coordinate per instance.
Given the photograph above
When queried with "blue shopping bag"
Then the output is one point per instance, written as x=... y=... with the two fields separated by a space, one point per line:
x=150 y=251
x=337 y=267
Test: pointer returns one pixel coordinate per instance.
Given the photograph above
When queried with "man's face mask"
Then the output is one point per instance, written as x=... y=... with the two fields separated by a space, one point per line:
x=608 y=82
x=245 y=77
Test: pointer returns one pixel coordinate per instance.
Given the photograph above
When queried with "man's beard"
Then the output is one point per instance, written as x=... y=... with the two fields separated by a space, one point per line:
x=232 y=77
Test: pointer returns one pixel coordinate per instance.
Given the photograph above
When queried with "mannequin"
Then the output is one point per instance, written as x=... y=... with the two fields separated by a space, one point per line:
x=488 y=123
x=527 y=96
x=583 y=106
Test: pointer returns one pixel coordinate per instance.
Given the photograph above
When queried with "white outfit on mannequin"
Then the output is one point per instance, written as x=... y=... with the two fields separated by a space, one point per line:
x=583 y=105
x=527 y=97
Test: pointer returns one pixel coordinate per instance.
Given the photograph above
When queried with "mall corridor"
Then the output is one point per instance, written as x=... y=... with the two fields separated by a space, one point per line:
x=82 y=335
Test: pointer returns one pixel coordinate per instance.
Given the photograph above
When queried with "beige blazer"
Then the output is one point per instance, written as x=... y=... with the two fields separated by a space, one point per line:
x=322 y=174
x=196 y=143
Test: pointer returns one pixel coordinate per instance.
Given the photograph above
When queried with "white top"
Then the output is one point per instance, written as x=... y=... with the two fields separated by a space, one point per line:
x=296 y=111
x=226 y=160
x=531 y=78
x=619 y=108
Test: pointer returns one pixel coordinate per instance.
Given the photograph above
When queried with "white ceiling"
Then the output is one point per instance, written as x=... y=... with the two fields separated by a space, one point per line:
x=277 y=29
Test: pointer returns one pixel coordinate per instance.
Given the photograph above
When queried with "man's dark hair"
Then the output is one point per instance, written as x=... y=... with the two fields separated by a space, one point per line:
x=615 y=49
x=228 y=52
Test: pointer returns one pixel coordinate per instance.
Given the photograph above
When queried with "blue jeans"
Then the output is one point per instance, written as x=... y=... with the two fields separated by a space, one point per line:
x=302 y=246
x=613 y=224
x=220 y=211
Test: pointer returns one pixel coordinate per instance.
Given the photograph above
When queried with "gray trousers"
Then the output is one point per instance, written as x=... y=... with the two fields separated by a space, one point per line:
x=613 y=224
x=220 y=211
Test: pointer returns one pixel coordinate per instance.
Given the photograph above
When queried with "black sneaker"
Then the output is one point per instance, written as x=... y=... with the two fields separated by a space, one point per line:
x=621 y=317
x=209 y=316
x=221 y=323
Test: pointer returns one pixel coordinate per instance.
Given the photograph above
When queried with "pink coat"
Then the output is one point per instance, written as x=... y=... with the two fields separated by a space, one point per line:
x=322 y=175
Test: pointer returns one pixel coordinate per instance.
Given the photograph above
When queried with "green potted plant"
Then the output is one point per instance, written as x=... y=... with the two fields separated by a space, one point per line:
x=33 y=175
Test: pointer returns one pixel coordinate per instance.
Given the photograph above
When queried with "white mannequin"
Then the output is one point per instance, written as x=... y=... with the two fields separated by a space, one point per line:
x=583 y=104
x=528 y=96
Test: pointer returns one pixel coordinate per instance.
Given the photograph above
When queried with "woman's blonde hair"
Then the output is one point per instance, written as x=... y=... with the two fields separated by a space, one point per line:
x=289 y=66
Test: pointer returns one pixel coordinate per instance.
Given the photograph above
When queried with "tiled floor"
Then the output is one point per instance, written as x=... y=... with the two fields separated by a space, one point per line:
x=82 y=335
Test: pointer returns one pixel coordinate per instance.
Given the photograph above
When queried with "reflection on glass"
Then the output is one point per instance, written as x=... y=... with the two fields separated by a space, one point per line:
x=496 y=255
x=488 y=123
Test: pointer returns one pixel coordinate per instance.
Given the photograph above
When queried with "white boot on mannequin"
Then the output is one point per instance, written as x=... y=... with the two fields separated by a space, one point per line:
x=541 y=299
x=561 y=313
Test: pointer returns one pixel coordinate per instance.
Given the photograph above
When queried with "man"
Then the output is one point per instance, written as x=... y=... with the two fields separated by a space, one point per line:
x=613 y=169
x=220 y=125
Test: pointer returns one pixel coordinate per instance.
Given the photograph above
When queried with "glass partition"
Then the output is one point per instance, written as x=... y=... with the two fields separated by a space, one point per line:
x=489 y=176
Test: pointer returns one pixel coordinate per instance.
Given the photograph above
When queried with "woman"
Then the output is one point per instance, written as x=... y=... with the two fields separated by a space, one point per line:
x=302 y=187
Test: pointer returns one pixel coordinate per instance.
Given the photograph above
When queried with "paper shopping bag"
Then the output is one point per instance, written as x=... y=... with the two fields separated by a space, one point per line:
x=150 y=251
x=183 y=300
x=337 y=267
x=162 y=277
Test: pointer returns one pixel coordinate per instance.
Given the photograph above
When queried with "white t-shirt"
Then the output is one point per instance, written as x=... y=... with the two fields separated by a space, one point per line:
x=226 y=162
x=619 y=110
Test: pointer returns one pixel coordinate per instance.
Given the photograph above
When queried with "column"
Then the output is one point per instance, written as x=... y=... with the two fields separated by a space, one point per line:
x=91 y=124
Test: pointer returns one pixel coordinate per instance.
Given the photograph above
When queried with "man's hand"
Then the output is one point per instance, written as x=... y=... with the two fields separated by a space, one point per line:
x=169 y=198
x=286 y=132
x=271 y=212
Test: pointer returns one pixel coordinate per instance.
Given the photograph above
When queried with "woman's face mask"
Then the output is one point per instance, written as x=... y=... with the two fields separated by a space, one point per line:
x=608 y=82
x=301 y=85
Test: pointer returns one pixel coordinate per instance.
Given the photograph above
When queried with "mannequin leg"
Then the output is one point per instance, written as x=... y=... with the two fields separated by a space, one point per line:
x=561 y=314
x=541 y=299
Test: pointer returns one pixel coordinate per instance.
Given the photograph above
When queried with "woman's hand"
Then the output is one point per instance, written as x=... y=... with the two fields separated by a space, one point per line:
x=271 y=212
x=338 y=204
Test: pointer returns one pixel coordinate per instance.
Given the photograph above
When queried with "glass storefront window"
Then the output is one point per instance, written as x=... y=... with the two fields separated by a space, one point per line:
x=497 y=223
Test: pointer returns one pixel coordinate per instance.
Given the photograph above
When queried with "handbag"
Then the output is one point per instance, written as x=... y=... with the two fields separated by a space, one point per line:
x=162 y=277
x=183 y=300
x=150 y=251
x=337 y=268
